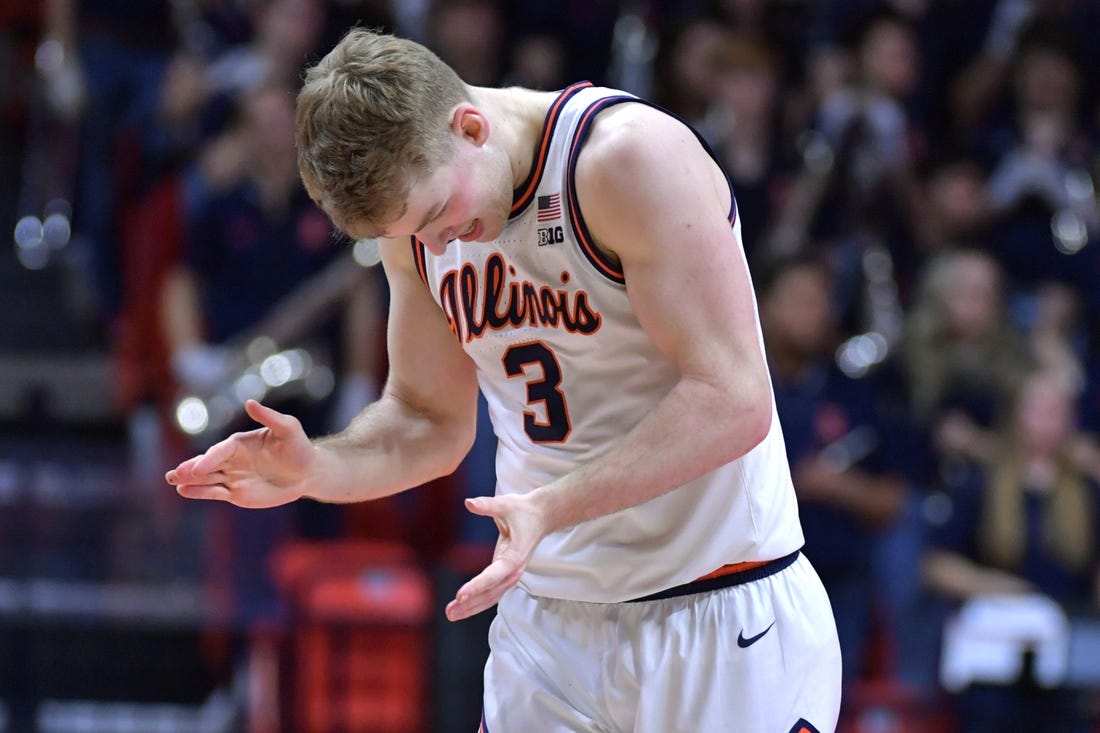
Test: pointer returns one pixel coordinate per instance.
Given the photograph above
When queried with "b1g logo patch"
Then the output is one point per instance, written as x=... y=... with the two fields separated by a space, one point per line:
x=551 y=235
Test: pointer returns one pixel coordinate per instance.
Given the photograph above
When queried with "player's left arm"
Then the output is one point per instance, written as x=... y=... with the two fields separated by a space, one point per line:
x=654 y=199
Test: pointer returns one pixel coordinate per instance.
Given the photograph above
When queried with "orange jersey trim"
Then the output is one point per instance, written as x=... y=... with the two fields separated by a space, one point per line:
x=527 y=190
x=418 y=257
x=737 y=567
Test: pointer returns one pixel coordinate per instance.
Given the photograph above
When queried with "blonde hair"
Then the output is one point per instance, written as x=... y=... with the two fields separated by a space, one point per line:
x=1066 y=524
x=372 y=119
x=1067 y=530
x=931 y=362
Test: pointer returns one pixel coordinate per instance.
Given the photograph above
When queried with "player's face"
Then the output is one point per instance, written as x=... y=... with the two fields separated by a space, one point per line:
x=466 y=199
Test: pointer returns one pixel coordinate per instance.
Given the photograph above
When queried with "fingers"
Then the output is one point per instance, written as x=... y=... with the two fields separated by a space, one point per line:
x=213 y=478
x=519 y=533
x=481 y=505
x=196 y=470
x=183 y=472
x=484 y=506
x=278 y=423
x=246 y=493
x=485 y=590
x=214 y=457
x=214 y=492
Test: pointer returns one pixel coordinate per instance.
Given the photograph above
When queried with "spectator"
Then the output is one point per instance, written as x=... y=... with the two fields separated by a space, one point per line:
x=685 y=68
x=538 y=62
x=286 y=33
x=208 y=78
x=247 y=249
x=961 y=351
x=1056 y=332
x=744 y=123
x=857 y=194
x=265 y=237
x=955 y=208
x=583 y=28
x=978 y=91
x=869 y=128
x=469 y=35
x=112 y=57
x=838 y=446
x=1041 y=189
x=782 y=27
x=951 y=35
x=1026 y=522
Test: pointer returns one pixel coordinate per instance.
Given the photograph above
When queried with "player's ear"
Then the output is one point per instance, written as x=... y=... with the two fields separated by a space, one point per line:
x=470 y=123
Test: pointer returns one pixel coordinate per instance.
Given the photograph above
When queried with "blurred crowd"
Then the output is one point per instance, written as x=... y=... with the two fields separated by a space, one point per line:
x=916 y=183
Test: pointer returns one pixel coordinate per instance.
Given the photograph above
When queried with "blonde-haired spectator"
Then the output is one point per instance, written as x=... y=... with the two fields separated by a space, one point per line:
x=961 y=350
x=1025 y=523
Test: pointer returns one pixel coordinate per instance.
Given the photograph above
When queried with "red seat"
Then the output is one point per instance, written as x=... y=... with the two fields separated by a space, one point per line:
x=355 y=655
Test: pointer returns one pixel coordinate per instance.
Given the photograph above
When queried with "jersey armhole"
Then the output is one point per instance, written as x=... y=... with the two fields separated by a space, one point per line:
x=604 y=264
x=595 y=256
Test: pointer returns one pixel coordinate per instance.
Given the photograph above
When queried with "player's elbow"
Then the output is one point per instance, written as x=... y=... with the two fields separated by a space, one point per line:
x=738 y=407
x=451 y=442
x=743 y=393
x=749 y=408
x=462 y=444
x=755 y=422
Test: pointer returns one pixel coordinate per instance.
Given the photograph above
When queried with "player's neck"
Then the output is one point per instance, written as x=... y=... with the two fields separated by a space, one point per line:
x=517 y=117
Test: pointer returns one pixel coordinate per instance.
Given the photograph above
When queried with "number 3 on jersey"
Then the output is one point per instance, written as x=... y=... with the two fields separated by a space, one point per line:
x=517 y=359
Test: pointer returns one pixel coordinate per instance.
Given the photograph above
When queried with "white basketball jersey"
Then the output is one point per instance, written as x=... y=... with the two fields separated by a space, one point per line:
x=567 y=371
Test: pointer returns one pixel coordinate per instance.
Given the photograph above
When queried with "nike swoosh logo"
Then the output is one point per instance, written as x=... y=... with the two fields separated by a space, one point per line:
x=745 y=643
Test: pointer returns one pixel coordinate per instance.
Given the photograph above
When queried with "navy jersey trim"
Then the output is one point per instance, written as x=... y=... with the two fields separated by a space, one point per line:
x=604 y=264
x=523 y=195
x=418 y=258
x=803 y=726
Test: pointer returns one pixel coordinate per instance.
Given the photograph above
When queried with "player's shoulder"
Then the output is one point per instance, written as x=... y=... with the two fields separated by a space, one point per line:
x=633 y=148
x=638 y=141
x=619 y=133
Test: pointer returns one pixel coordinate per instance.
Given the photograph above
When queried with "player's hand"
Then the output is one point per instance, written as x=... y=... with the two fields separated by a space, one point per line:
x=258 y=469
x=521 y=528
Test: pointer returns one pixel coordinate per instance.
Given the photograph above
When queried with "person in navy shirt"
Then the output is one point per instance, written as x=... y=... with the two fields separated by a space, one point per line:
x=837 y=445
x=1025 y=520
x=251 y=245
x=248 y=247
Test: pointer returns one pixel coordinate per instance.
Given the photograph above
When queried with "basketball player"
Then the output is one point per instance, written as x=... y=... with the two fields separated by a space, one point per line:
x=577 y=255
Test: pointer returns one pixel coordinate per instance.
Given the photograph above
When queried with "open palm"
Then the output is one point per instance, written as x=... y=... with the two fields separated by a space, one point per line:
x=261 y=468
x=521 y=527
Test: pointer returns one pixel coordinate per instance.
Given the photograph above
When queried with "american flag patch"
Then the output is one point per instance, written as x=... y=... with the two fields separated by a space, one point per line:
x=549 y=207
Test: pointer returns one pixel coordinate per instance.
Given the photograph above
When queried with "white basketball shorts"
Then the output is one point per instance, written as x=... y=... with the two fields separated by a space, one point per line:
x=755 y=657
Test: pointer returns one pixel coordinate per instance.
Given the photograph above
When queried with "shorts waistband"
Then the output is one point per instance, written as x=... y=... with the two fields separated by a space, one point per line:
x=724 y=577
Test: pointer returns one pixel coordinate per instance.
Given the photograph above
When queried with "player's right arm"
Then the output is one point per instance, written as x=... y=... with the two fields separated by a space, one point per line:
x=424 y=423
x=419 y=429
